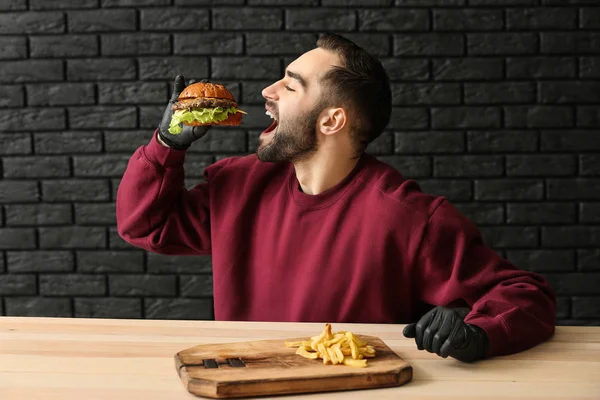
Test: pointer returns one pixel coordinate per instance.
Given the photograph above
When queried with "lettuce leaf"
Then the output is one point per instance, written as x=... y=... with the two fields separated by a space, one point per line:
x=204 y=115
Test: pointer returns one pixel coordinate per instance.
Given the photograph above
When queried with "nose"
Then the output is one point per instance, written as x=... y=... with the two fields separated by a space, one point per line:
x=270 y=92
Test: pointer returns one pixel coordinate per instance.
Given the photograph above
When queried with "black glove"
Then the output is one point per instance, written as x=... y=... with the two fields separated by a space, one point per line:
x=443 y=331
x=188 y=134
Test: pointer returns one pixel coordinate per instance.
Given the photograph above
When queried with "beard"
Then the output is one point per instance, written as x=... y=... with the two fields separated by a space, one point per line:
x=294 y=140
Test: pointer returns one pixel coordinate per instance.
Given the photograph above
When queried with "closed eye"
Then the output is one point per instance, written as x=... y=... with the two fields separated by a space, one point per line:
x=289 y=88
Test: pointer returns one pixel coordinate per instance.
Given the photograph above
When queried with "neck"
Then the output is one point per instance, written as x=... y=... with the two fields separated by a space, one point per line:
x=323 y=170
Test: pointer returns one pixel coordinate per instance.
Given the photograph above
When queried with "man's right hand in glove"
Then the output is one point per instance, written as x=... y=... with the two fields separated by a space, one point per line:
x=188 y=134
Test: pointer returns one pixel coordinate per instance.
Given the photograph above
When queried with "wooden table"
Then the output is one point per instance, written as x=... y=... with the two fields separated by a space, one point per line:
x=56 y=358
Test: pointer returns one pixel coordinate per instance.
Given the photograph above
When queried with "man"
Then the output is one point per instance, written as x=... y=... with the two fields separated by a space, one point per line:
x=311 y=228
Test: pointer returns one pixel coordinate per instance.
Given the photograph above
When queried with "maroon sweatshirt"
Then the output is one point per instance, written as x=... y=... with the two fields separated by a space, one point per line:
x=372 y=249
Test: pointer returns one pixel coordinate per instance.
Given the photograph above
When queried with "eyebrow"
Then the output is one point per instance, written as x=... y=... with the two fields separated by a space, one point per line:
x=297 y=77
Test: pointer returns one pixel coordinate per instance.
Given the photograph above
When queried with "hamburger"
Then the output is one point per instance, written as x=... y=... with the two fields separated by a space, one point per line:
x=205 y=104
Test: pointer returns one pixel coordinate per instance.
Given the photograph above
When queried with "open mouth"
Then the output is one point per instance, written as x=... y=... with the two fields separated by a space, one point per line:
x=273 y=126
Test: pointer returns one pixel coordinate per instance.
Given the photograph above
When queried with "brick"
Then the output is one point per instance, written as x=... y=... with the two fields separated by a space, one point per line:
x=179 y=309
x=586 y=307
x=541 y=18
x=482 y=213
x=573 y=189
x=60 y=94
x=589 y=165
x=319 y=19
x=588 y=259
x=61 y=4
x=196 y=285
x=466 y=69
x=589 y=212
x=167 y=68
x=172 y=19
x=467 y=20
x=102 y=117
x=114 y=186
x=40 y=261
x=408 y=118
x=135 y=3
x=279 y=43
x=105 y=165
x=410 y=167
x=142 y=285
x=110 y=261
x=75 y=190
x=135 y=44
x=101 y=20
x=18 y=191
x=56 y=46
x=13 y=5
x=116 y=242
x=352 y=3
x=101 y=69
x=67 y=142
x=38 y=214
x=382 y=145
x=38 y=307
x=17 y=238
x=570 y=140
x=454 y=190
x=588 y=116
x=425 y=93
x=393 y=20
x=15 y=143
x=245 y=68
x=589 y=67
x=245 y=18
x=502 y=2
x=540 y=165
x=509 y=189
x=128 y=92
x=252 y=92
x=150 y=116
x=72 y=285
x=541 y=213
x=376 y=44
x=428 y=44
x=570 y=236
x=208 y=43
x=27 y=119
x=543 y=260
x=570 y=43
x=465 y=117
x=563 y=307
x=569 y=92
x=13 y=47
x=499 y=93
x=423 y=3
x=31 y=22
x=72 y=237
x=589 y=18
x=31 y=71
x=467 y=166
x=108 y=307
x=17 y=285
x=406 y=69
x=429 y=142
x=126 y=141
x=510 y=236
x=501 y=43
x=158 y=263
x=12 y=96
x=540 y=67
x=538 y=116
x=226 y=140
x=95 y=214
x=211 y=2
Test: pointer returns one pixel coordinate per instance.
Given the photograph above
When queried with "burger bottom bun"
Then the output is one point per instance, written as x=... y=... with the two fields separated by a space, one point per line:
x=232 y=120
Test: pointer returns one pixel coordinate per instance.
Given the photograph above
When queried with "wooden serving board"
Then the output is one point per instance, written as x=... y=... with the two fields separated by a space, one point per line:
x=268 y=367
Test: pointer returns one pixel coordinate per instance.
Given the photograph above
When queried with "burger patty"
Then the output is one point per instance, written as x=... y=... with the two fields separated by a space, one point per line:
x=203 y=102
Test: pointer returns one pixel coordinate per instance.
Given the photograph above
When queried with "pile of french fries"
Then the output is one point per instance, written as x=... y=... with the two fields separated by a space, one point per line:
x=341 y=347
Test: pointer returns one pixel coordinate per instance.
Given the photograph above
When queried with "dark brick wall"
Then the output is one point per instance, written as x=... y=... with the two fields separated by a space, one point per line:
x=496 y=105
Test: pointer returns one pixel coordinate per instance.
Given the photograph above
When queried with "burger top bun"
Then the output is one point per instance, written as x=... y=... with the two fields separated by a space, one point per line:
x=201 y=89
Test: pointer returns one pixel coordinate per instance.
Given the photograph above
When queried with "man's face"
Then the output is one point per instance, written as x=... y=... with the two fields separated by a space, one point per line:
x=295 y=102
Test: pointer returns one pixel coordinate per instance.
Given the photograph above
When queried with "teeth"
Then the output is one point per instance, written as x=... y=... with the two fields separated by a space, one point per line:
x=270 y=115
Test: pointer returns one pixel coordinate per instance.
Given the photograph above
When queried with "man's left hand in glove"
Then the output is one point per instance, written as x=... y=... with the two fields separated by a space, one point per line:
x=443 y=331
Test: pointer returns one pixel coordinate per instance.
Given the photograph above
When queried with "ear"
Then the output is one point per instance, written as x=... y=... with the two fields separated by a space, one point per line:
x=332 y=121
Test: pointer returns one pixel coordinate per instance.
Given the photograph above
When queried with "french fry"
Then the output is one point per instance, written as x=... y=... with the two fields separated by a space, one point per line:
x=335 y=348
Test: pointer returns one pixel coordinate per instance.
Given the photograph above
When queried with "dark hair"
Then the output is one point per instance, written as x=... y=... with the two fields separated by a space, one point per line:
x=361 y=84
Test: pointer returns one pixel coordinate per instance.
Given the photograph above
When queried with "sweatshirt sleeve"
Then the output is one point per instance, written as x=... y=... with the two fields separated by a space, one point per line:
x=516 y=308
x=154 y=209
